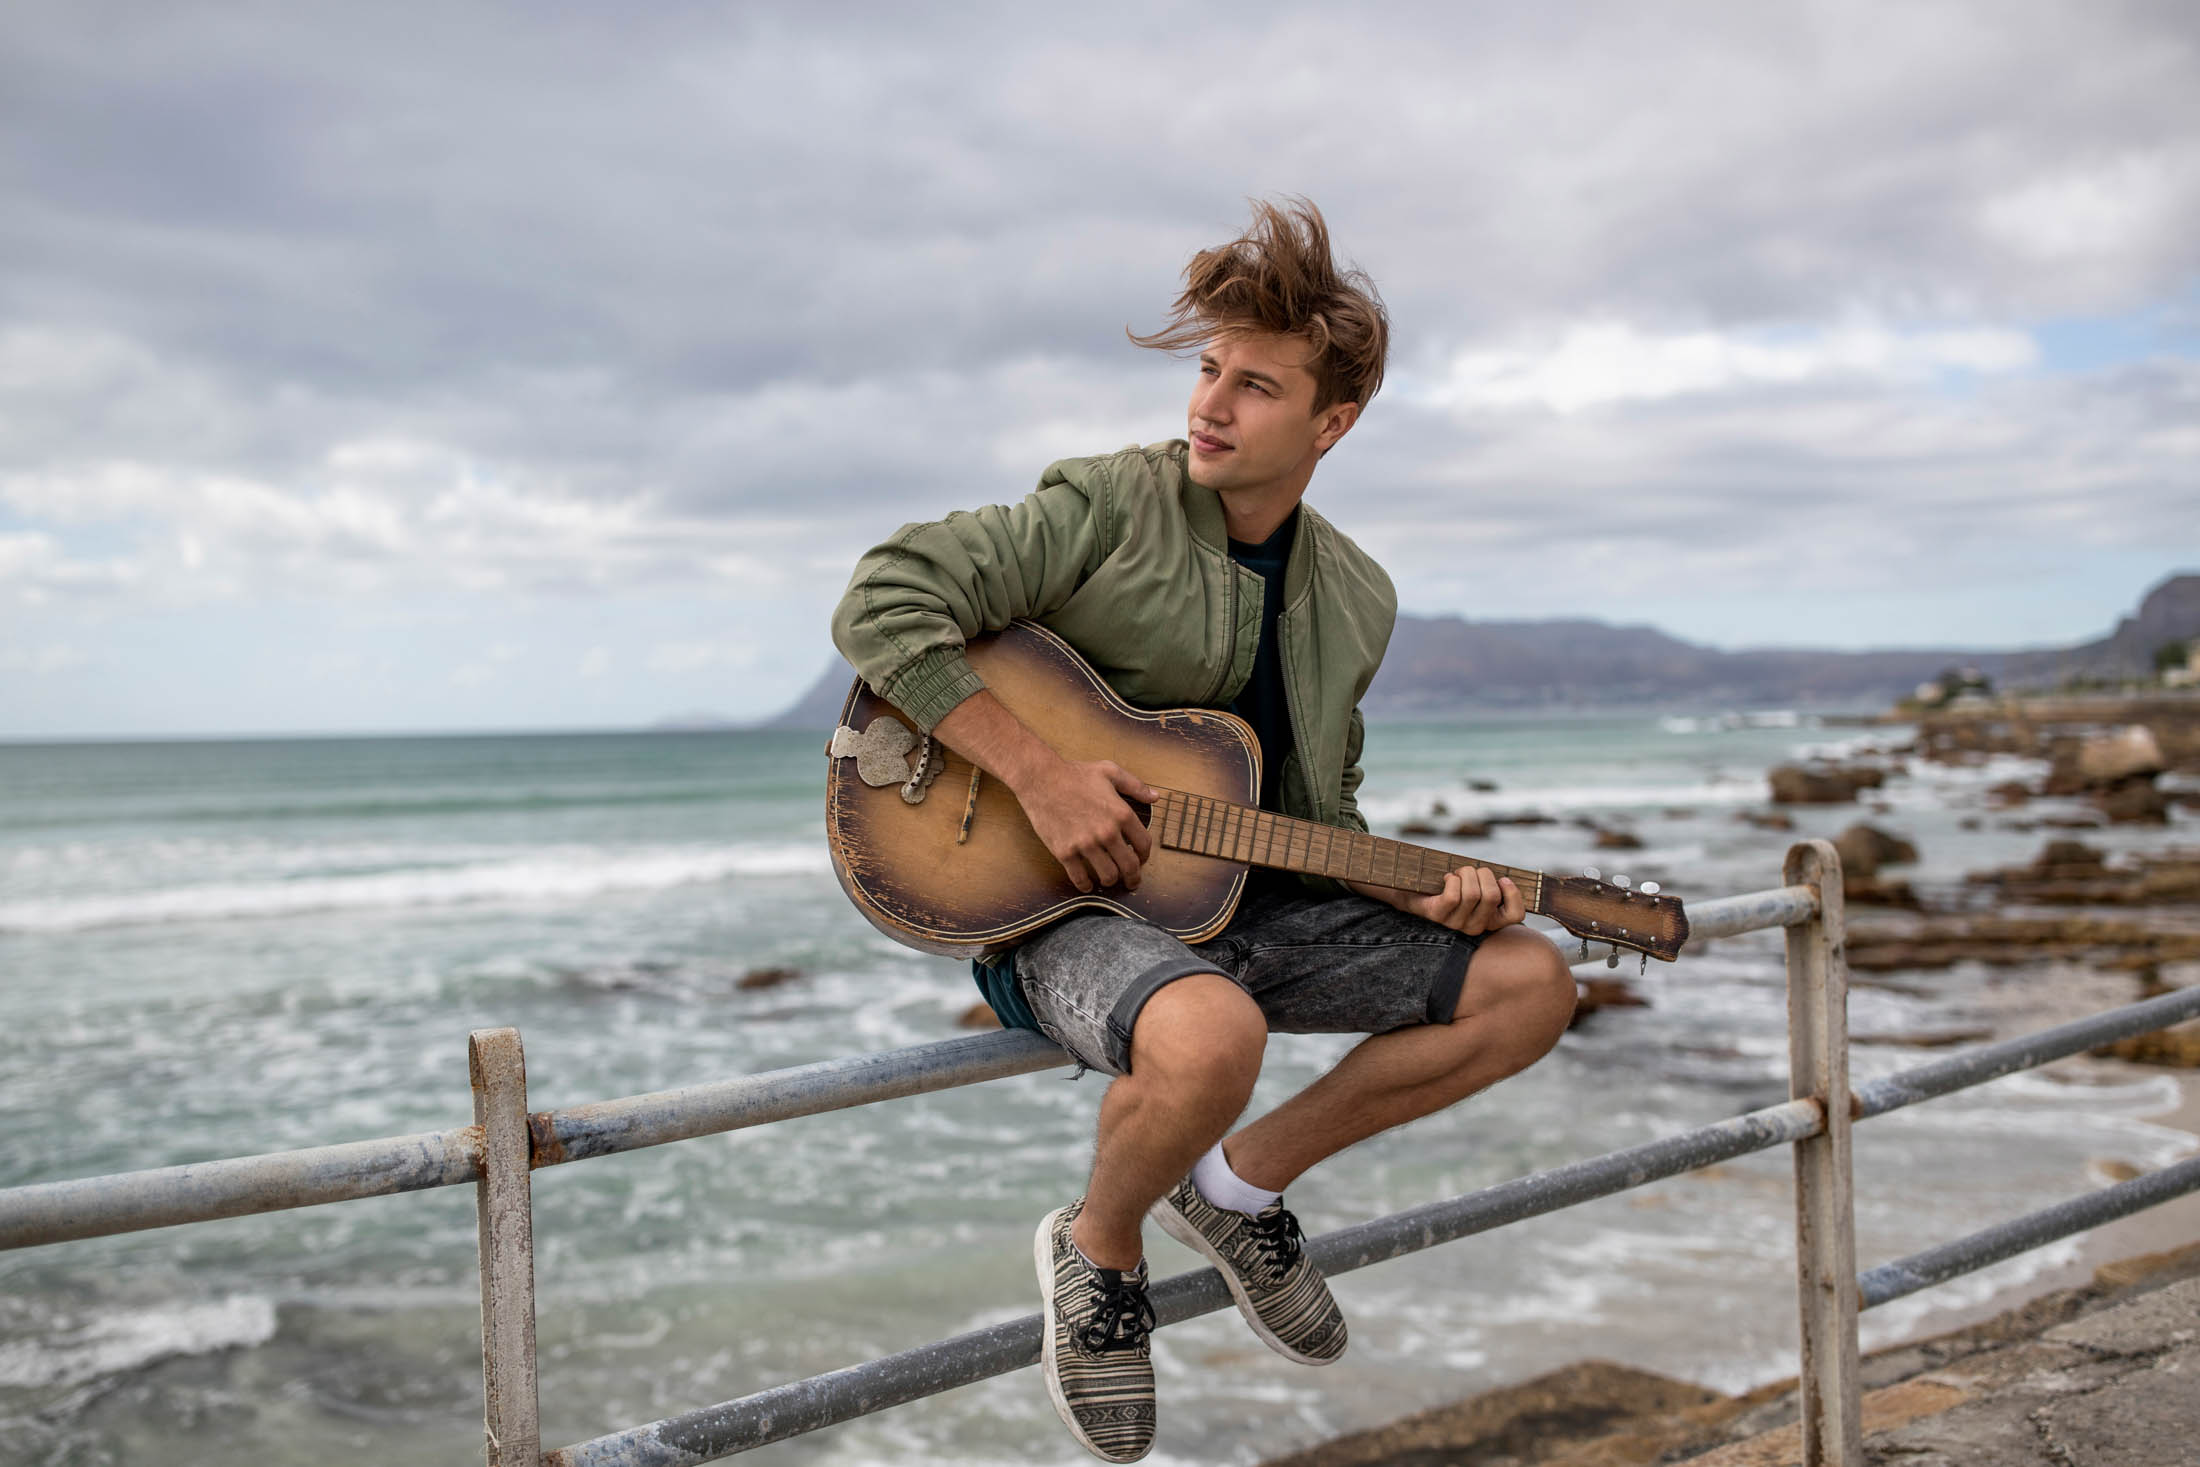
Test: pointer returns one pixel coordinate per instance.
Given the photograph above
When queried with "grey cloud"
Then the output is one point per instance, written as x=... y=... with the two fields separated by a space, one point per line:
x=832 y=266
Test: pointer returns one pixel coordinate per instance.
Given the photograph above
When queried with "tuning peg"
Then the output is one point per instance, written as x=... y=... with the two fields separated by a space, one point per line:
x=1622 y=881
x=1651 y=888
x=1591 y=872
x=1611 y=959
x=1584 y=950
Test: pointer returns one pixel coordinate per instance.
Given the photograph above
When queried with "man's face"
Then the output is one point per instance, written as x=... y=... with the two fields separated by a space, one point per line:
x=1252 y=422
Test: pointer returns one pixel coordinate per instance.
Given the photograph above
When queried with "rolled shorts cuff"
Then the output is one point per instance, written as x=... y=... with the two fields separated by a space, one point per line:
x=1451 y=980
x=1123 y=1018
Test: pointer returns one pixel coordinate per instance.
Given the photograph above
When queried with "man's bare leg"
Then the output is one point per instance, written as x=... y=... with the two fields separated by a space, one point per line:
x=1196 y=1051
x=1515 y=1003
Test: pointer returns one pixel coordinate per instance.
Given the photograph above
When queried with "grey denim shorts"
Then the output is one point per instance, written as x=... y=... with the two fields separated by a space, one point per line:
x=1315 y=965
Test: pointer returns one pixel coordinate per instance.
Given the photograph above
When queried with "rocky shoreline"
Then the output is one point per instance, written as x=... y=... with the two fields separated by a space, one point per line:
x=2100 y=1370
x=2099 y=1374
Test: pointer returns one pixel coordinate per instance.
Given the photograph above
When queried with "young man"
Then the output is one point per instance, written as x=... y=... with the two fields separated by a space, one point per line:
x=1190 y=573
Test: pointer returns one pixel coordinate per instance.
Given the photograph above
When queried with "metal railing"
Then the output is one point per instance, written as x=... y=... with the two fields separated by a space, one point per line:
x=506 y=1143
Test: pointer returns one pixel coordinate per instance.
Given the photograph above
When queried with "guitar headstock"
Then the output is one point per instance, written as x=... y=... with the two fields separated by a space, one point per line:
x=1636 y=919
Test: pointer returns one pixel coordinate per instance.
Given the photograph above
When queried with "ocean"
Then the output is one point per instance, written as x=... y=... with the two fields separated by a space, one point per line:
x=215 y=949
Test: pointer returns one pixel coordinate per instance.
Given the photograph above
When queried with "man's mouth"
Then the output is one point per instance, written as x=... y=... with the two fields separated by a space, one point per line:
x=1208 y=443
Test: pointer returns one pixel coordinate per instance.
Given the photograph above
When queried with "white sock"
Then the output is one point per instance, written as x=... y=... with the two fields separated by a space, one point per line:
x=1129 y=1273
x=1211 y=1174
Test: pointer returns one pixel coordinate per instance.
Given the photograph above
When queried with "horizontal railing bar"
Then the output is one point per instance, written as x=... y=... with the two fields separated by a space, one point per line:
x=629 y=1124
x=842 y=1395
x=126 y=1202
x=2021 y=1235
x=129 y=1202
x=1565 y=1186
x=1779 y=906
x=1992 y=1061
x=90 y=1207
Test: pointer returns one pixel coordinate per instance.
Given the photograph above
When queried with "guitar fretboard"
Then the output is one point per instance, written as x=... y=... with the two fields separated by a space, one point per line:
x=1233 y=832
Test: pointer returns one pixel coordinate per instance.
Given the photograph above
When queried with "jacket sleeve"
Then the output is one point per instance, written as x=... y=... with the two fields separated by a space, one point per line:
x=915 y=600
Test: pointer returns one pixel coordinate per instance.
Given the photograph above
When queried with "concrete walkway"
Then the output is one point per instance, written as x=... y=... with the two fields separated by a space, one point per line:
x=2107 y=1375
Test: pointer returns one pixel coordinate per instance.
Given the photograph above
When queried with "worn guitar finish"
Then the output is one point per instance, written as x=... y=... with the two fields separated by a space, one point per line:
x=938 y=855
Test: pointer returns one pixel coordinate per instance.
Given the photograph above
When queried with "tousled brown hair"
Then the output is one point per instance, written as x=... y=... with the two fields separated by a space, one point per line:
x=1279 y=276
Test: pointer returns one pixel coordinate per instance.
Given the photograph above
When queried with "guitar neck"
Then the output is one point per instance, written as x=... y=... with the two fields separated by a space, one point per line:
x=1211 y=827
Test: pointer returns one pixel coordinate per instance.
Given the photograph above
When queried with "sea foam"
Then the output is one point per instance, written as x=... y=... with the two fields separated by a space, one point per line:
x=552 y=874
x=110 y=1344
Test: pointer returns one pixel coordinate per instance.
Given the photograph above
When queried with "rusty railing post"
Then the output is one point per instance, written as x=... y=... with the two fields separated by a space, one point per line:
x=504 y=1206
x=1829 y=1392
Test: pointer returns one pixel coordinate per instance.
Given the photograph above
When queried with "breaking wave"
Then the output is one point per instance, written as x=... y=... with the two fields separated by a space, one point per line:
x=554 y=874
x=109 y=1344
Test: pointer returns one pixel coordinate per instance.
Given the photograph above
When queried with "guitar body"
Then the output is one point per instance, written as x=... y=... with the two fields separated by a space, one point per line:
x=926 y=877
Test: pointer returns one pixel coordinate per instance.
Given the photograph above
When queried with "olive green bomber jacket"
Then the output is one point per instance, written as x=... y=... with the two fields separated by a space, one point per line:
x=1126 y=559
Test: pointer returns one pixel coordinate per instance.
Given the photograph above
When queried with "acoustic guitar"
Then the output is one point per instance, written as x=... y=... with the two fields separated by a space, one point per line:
x=938 y=855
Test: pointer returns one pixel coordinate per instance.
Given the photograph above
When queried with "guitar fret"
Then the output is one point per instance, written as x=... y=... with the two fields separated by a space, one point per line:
x=1229 y=831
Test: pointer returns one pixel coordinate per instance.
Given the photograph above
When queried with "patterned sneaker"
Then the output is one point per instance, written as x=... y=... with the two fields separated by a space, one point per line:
x=1278 y=1289
x=1098 y=1364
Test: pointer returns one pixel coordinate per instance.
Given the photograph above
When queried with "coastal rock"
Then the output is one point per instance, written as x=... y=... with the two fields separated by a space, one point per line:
x=1766 y=819
x=1470 y=830
x=1866 y=848
x=1942 y=942
x=2111 y=758
x=1796 y=784
x=2135 y=801
x=1416 y=827
x=1592 y=994
x=979 y=1015
x=1878 y=891
x=2010 y=793
x=2177 y=1047
x=2072 y=873
x=1618 y=840
x=1926 y=1038
x=767 y=977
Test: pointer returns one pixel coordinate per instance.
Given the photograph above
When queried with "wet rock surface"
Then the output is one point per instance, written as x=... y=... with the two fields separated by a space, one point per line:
x=2127 y=944
x=1822 y=784
x=2104 y=1375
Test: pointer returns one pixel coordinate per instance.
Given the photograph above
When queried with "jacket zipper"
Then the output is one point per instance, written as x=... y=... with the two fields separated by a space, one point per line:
x=1229 y=630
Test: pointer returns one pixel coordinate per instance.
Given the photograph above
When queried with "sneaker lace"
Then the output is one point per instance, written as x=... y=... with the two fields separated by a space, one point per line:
x=1277 y=1236
x=1122 y=1316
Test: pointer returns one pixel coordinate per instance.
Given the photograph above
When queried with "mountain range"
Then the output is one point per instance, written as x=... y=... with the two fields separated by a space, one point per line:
x=1439 y=664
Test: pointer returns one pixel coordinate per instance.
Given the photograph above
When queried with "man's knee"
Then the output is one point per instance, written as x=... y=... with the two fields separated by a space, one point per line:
x=1200 y=1031
x=1519 y=981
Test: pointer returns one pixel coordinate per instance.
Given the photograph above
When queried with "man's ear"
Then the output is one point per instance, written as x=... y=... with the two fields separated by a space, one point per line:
x=1337 y=420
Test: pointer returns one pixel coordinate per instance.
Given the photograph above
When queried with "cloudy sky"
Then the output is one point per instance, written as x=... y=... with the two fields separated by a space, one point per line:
x=442 y=367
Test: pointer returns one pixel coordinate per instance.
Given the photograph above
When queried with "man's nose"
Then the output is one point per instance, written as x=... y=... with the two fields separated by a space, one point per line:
x=1210 y=403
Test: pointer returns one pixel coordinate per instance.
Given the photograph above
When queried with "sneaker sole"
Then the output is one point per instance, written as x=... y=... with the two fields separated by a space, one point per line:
x=1179 y=1227
x=1042 y=1257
